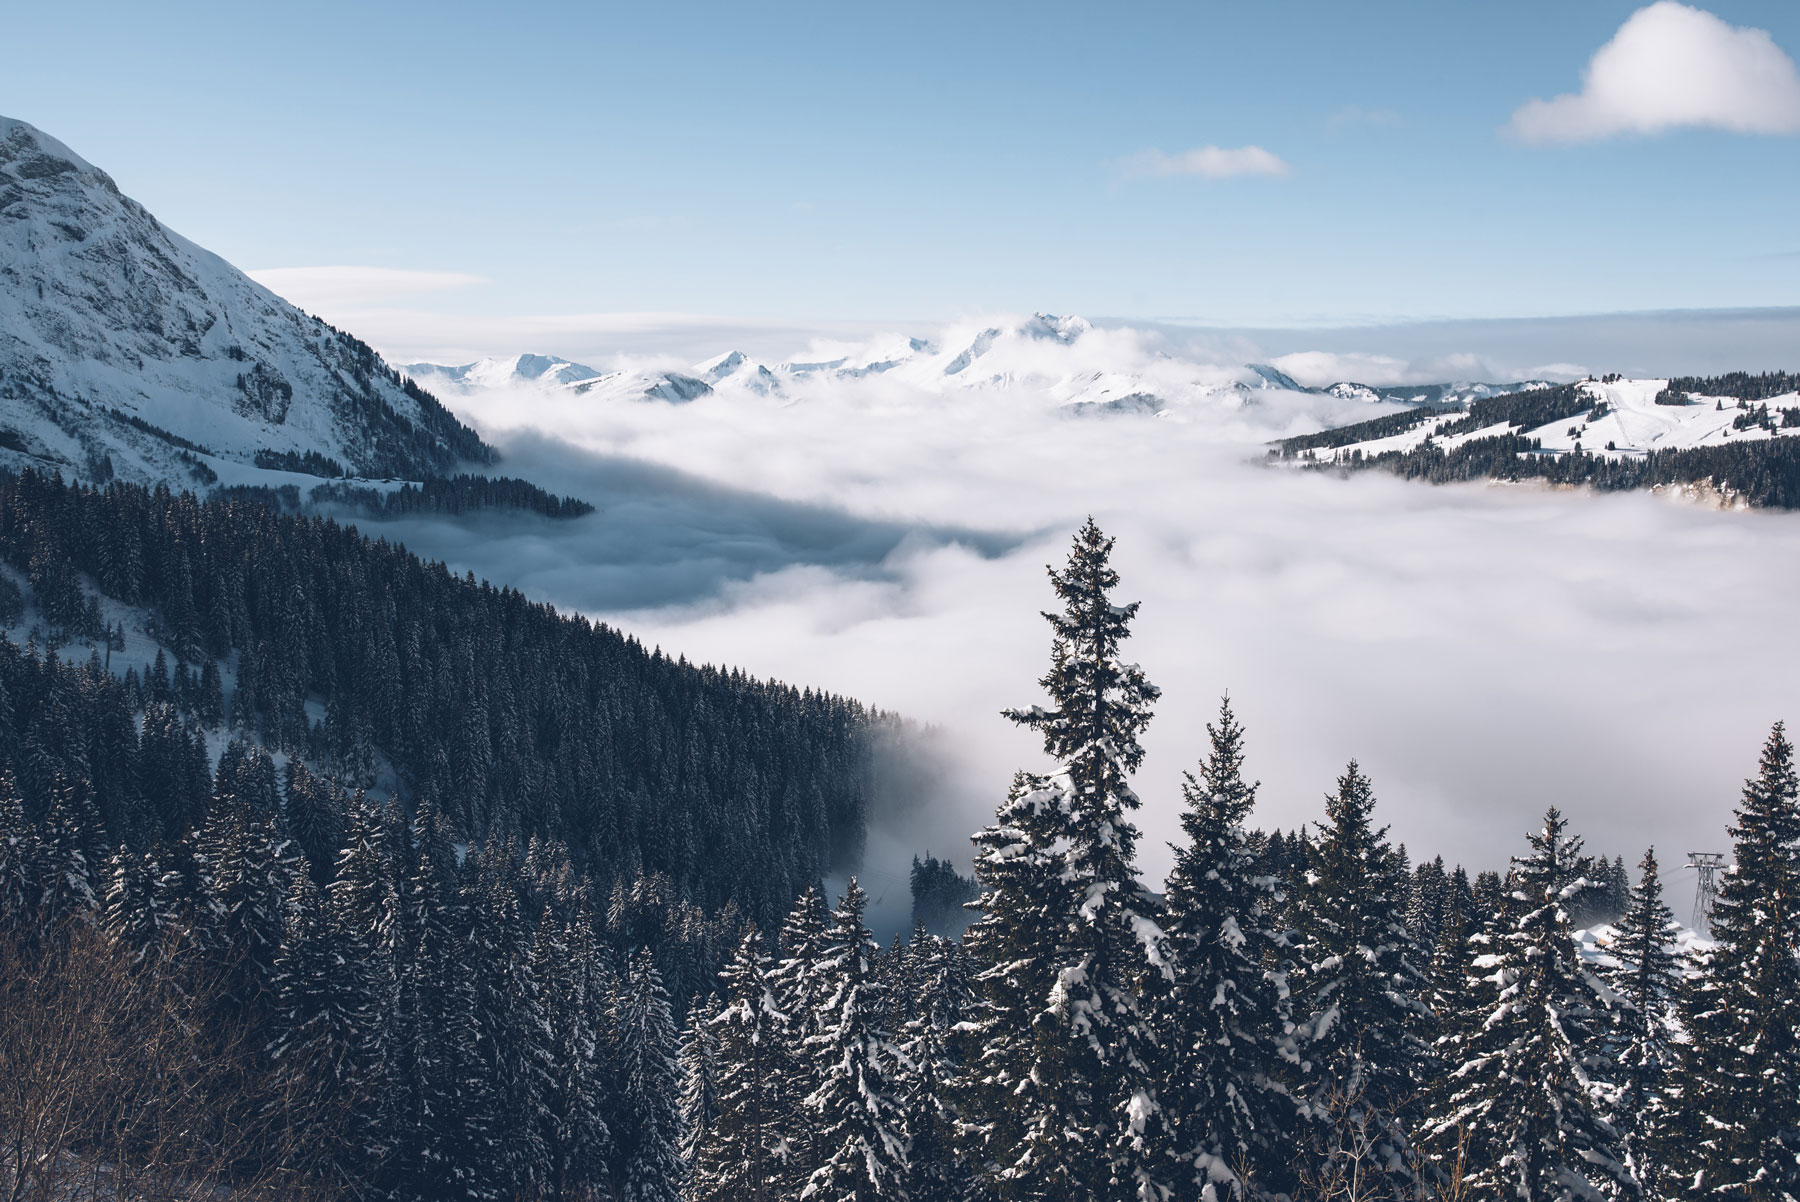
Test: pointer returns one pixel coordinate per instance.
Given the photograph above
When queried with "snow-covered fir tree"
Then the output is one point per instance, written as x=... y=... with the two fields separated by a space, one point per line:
x=747 y=1157
x=448 y=1120
x=578 y=1141
x=1740 y=1075
x=1524 y=1104
x=133 y=914
x=801 y=982
x=512 y=1028
x=1012 y=1123
x=1430 y=896
x=1647 y=980
x=244 y=872
x=1455 y=1010
x=1359 y=1002
x=65 y=855
x=365 y=925
x=648 y=1164
x=1223 y=1021
x=856 y=1109
x=20 y=850
x=1065 y=1100
x=937 y=984
x=699 y=1064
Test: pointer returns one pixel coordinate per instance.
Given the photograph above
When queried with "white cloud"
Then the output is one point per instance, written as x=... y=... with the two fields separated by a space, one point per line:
x=1209 y=162
x=1671 y=66
x=1316 y=369
x=318 y=289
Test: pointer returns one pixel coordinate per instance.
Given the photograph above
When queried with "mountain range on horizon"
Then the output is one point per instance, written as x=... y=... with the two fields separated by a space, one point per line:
x=1066 y=358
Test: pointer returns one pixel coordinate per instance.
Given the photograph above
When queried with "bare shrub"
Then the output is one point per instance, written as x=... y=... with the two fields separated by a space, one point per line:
x=123 y=1083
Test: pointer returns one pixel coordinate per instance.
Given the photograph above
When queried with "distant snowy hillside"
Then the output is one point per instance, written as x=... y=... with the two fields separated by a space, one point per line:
x=127 y=350
x=1061 y=362
x=1727 y=440
x=1611 y=418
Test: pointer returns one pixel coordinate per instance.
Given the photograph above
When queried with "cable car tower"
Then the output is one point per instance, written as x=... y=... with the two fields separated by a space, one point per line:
x=1706 y=865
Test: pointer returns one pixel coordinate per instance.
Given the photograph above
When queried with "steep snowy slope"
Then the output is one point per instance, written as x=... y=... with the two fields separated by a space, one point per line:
x=125 y=349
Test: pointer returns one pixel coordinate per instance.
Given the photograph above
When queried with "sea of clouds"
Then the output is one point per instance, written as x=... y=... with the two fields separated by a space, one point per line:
x=1484 y=651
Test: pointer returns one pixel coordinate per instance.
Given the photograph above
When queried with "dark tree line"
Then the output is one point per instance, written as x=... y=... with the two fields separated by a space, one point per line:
x=364 y=661
x=451 y=494
x=1385 y=426
x=1740 y=384
x=1764 y=473
x=940 y=895
x=311 y=463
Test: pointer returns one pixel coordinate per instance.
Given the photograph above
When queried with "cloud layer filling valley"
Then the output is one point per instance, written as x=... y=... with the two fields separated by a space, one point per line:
x=1485 y=651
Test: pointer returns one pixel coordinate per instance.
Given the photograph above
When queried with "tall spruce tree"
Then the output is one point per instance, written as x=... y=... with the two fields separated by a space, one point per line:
x=1453 y=1005
x=861 y=1130
x=21 y=850
x=578 y=1140
x=1090 y=1122
x=1010 y=1092
x=512 y=1029
x=747 y=1156
x=1224 y=1023
x=68 y=839
x=937 y=982
x=699 y=1078
x=1740 y=1073
x=1647 y=980
x=1359 y=1001
x=448 y=1118
x=648 y=1132
x=801 y=983
x=245 y=873
x=1523 y=1110
x=364 y=904
x=134 y=915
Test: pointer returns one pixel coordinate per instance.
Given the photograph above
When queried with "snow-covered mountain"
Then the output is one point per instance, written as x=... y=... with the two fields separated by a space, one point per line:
x=1616 y=418
x=1063 y=361
x=127 y=350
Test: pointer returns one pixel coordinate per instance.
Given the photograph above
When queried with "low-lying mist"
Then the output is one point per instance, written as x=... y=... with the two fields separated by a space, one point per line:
x=1484 y=651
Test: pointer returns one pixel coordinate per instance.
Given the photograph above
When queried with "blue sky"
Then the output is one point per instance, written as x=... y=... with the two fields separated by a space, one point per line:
x=803 y=163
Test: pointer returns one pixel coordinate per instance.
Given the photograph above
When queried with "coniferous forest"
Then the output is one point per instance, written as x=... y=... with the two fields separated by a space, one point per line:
x=584 y=952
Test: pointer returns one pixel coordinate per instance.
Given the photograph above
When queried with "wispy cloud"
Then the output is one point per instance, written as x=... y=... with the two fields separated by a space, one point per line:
x=1672 y=66
x=319 y=288
x=1356 y=114
x=1208 y=162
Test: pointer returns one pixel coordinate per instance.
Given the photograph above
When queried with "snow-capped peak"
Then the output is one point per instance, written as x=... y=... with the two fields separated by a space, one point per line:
x=547 y=370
